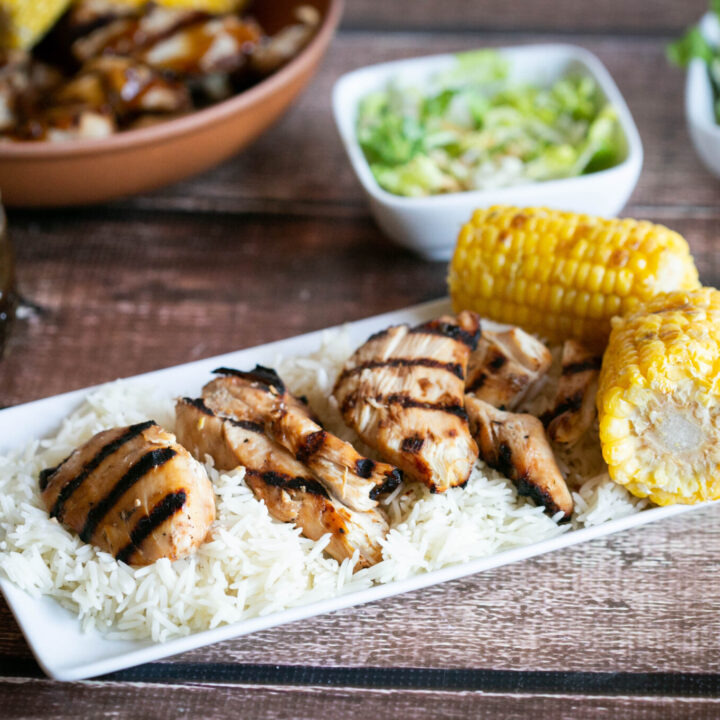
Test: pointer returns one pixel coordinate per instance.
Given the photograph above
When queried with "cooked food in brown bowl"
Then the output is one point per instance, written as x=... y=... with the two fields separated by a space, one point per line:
x=119 y=99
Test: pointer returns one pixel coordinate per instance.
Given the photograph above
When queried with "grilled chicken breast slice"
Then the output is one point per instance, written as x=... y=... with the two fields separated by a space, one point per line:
x=133 y=492
x=261 y=397
x=516 y=445
x=287 y=487
x=504 y=365
x=403 y=393
x=574 y=410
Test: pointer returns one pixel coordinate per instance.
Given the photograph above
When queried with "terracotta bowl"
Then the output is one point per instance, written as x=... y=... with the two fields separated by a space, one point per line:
x=91 y=171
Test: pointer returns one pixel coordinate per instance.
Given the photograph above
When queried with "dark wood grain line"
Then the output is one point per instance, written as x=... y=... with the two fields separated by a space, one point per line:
x=38 y=698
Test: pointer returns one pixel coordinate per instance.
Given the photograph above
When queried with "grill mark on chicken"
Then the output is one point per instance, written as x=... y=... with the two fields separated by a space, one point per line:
x=477 y=383
x=407 y=402
x=199 y=404
x=105 y=452
x=594 y=363
x=310 y=445
x=283 y=480
x=392 y=479
x=454 y=368
x=526 y=488
x=149 y=461
x=263 y=375
x=412 y=444
x=571 y=404
x=171 y=504
x=449 y=330
x=364 y=467
x=244 y=424
x=497 y=362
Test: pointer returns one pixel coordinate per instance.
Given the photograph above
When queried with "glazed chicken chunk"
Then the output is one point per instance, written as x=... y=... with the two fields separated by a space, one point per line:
x=261 y=397
x=133 y=492
x=574 y=410
x=504 y=365
x=290 y=491
x=516 y=445
x=403 y=393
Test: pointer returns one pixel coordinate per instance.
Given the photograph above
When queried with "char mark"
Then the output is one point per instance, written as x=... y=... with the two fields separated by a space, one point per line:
x=172 y=503
x=407 y=402
x=379 y=334
x=149 y=461
x=454 y=368
x=72 y=485
x=497 y=361
x=199 y=404
x=570 y=404
x=449 y=330
x=286 y=482
x=540 y=496
x=594 y=363
x=310 y=444
x=412 y=444
x=477 y=383
x=392 y=479
x=504 y=460
x=263 y=375
x=247 y=425
x=364 y=467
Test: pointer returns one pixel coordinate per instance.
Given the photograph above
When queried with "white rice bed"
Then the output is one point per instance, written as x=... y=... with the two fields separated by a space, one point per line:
x=253 y=565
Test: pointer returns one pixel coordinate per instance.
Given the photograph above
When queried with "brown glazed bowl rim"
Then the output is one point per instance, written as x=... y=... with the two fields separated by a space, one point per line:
x=179 y=126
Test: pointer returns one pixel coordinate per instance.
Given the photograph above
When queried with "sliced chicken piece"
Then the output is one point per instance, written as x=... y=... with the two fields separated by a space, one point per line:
x=273 y=52
x=505 y=365
x=133 y=492
x=403 y=393
x=574 y=411
x=261 y=397
x=516 y=445
x=126 y=86
x=287 y=487
x=115 y=31
x=217 y=45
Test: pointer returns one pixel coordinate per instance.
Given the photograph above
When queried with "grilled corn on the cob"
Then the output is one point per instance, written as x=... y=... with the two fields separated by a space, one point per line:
x=561 y=274
x=24 y=22
x=659 y=398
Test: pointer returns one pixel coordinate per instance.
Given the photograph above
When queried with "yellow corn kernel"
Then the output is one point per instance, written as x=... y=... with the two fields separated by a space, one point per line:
x=659 y=398
x=609 y=265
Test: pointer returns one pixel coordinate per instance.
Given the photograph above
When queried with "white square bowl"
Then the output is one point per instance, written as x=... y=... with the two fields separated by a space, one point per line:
x=699 y=112
x=430 y=225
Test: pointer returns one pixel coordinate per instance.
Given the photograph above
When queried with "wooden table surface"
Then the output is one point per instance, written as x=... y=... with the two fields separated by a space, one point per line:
x=279 y=241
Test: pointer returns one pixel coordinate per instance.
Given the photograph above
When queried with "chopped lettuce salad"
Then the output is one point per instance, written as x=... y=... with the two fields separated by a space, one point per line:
x=694 y=45
x=473 y=128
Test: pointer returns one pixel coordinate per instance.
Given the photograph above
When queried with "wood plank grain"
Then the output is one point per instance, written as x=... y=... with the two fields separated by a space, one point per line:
x=649 y=16
x=626 y=603
x=300 y=167
x=36 y=698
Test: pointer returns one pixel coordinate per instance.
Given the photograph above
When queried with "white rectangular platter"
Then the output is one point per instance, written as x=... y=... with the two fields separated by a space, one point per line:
x=54 y=634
